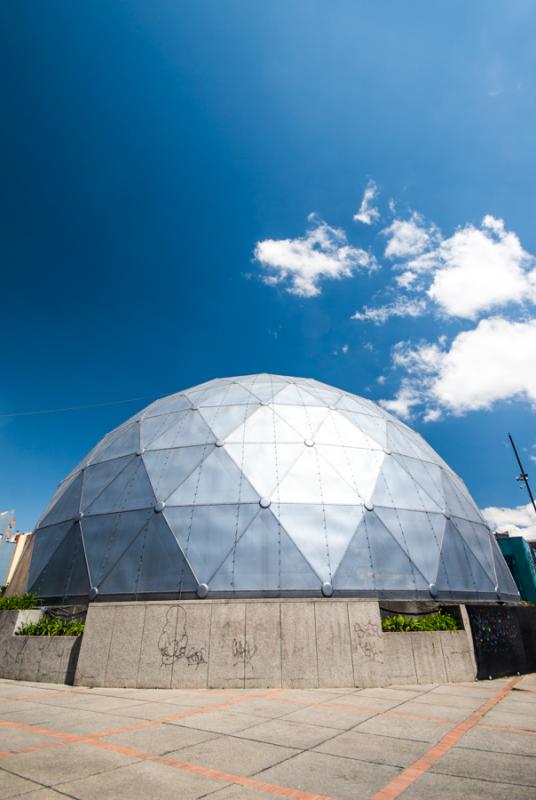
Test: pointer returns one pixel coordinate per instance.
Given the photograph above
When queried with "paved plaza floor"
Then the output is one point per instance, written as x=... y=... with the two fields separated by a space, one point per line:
x=470 y=740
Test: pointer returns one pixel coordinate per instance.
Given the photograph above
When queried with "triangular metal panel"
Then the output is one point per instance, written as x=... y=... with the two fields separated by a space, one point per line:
x=97 y=477
x=393 y=568
x=478 y=540
x=326 y=397
x=313 y=480
x=337 y=430
x=356 y=572
x=232 y=394
x=264 y=425
x=224 y=421
x=167 y=405
x=167 y=469
x=265 y=465
x=305 y=423
x=402 y=444
x=351 y=403
x=207 y=534
x=151 y=428
x=265 y=559
x=417 y=534
x=427 y=476
x=121 y=442
x=359 y=468
x=45 y=541
x=396 y=489
x=321 y=533
x=296 y=396
x=66 y=574
x=457 y=504
x=341 y=460
x=505 y=582
x=459 y=571
x=265 y=391
x=107 y=537
x=60 y=490
x=190 y=429
x=163 y=565
x=130 y=490
x=67 y=505
x=216 y=481
x=374 y=427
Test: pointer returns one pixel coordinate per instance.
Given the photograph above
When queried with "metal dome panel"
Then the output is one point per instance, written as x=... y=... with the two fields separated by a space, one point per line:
x=265 y=485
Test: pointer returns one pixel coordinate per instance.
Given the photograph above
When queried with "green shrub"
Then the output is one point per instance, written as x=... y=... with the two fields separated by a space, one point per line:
x=18 y=601
x=438 y=621
x=52 y=626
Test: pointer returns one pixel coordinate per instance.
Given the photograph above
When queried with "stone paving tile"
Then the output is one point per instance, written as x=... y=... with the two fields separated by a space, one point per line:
x=76 y=761
x=160 y=739
x=238 y=756
x=433 y=786
x=397 y=695
x=379 y=704
x=328 y=717
x=13 y=785
x=400 y=728
x=291 y=734
x=81 y=722
x=313 y=695
x=508 y=706
x=236 y=792
x=41 y=794
x=499 y=717
x=219 y=721
x=418 y=709
x=376 y=749
x=503 y=767
x=139 y=782
x=481 y=738
x=270 y=709
x=343 y=778
x=15 y=738
x=452 y=700
x=151 y=711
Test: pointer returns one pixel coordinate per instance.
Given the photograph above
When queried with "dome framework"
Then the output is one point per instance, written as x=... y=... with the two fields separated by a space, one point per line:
x=265 y=486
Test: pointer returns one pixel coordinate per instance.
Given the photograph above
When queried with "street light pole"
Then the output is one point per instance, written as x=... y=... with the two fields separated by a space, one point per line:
x=523 y=475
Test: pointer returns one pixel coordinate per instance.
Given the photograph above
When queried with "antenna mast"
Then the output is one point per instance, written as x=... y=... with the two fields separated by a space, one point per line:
x=523 y=475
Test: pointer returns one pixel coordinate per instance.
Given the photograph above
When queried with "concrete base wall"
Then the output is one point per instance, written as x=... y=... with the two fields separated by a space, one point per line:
x=50 y=659
x=261 y=643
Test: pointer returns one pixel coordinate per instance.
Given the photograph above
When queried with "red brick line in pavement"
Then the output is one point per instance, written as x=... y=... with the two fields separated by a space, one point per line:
x=408 y=776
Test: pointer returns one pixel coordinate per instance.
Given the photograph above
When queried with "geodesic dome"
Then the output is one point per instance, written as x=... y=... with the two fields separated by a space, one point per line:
x=265 y=485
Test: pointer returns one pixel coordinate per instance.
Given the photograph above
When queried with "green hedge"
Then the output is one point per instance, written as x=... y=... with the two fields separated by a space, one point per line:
x=439 y=621
x=52 y=626
x=18 y=602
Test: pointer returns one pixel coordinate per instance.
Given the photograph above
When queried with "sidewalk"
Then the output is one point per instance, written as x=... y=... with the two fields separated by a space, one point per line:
x=471 y=740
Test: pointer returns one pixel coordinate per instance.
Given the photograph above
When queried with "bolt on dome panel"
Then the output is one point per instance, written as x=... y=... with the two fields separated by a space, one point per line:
x=265 y=484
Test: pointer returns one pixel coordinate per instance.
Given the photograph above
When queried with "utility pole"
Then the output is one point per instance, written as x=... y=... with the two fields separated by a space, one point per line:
x=523 y=475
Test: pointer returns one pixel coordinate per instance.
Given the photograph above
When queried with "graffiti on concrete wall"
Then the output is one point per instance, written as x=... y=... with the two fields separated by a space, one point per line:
x=174 y=644
x=369 y=640
x=243 y=651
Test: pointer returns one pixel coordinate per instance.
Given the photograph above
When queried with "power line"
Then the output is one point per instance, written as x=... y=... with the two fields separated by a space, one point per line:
x=74 y=408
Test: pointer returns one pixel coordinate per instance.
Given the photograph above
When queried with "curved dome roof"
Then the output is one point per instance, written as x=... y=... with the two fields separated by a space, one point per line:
x=265 y=485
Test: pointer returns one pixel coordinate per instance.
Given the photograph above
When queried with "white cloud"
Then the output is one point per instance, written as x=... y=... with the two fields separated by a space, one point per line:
x=401 y=307
x=408 y=237
x=492 y=362
x=322 y=254
x=519 y=521
x=368 y=213
x=480 y=269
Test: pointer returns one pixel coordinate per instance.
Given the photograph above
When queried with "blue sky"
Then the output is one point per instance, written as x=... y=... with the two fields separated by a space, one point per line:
x=150 y=150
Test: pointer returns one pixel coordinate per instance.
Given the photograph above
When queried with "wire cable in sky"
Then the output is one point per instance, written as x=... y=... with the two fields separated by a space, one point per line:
x=74 y=408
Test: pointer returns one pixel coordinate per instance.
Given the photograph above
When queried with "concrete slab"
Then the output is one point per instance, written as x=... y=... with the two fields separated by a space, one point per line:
x=329 y=717
x=433 y=786
x=95 y=647
x=329 y=775
x=333 y=645
x=375 y=749
x=291 y=734
x=140 y=781
x=125 y=646
x=501 y=741
x=428 y=657
x=399 y=658
x=220 y=722
x=367 y=642
x=262 y=664
x=239 y=756
x=161 y=739
x=12 y=785
x=414 y=730
x=229 y=648
x=503 y=767
x=191 y=650
x=299 y=667
x=76 y=761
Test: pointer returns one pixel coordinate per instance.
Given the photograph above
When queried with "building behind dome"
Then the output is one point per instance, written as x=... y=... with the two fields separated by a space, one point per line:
x=264 y=486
